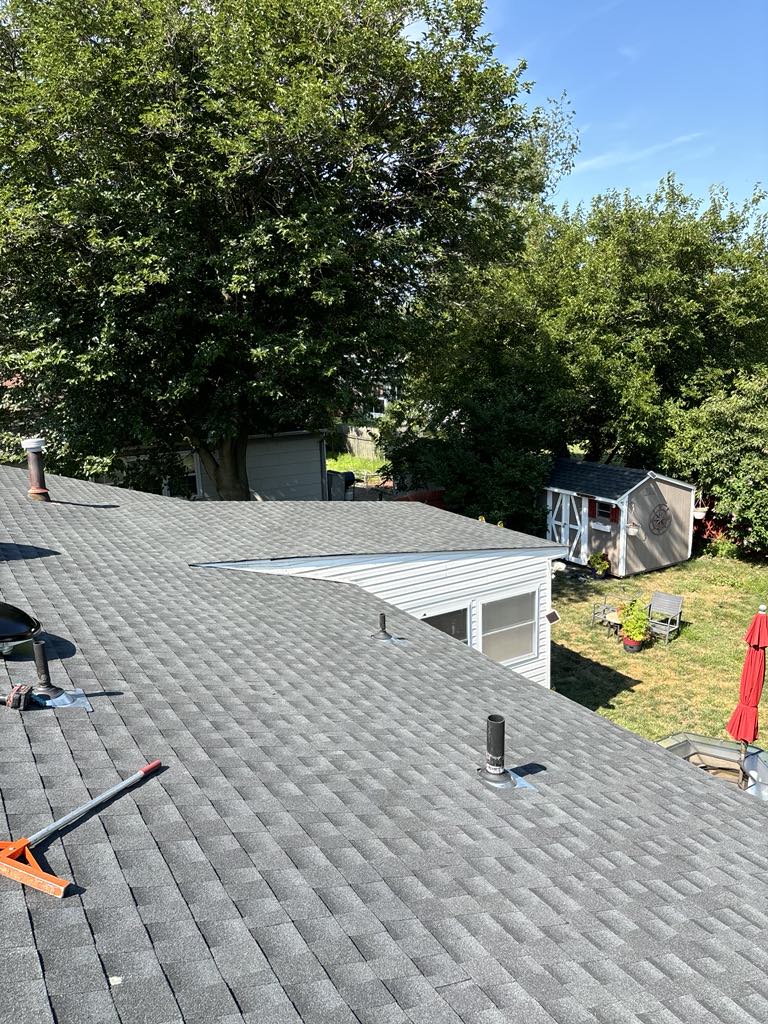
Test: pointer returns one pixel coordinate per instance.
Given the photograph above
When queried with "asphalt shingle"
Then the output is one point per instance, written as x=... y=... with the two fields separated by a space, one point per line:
x=319 y=847
x=595 y=478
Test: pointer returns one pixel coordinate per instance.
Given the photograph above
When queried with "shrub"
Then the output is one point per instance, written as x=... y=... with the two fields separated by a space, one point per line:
x=599 y=561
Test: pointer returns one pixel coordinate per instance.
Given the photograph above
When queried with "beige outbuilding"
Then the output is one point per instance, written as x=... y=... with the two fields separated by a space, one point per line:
x=640 y=519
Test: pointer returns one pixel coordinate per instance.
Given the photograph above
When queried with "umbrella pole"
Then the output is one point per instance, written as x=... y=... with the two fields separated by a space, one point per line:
x=743 y=777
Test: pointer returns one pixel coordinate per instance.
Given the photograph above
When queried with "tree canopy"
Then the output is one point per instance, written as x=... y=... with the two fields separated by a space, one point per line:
x=485 y=400
x=722 y=444
x=599 y=336
x=650 y=301
x=215 y=218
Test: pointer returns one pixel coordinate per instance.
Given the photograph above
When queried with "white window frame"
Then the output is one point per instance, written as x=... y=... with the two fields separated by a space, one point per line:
x=451 y=606
x=601 y=513
x=517 y=592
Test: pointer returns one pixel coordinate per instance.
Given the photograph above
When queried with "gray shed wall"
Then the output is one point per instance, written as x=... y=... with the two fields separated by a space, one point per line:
x=607 y=541
x=288 y=468
x=648 y=550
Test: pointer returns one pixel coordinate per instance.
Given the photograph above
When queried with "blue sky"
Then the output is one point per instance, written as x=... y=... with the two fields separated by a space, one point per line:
x=655 y=86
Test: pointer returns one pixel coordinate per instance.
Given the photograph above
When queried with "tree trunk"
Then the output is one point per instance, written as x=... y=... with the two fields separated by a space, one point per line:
x=225 y=465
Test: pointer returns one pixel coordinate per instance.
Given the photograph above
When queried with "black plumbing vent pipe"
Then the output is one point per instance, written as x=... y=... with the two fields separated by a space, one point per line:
x=47 y=689
x=494 y=745
x=382 y=633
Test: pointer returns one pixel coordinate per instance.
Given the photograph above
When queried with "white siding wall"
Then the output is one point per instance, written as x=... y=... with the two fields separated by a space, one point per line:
x=288 y=468
x=426 y=584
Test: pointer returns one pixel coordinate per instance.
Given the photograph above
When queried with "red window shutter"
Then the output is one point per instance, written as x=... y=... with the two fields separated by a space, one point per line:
x=615 y=514
x=592 y=508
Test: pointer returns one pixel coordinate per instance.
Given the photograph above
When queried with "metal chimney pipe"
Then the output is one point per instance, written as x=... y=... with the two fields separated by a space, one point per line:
x=494 y=745
x=381 y=633
x=47 y=689
x=33 y=446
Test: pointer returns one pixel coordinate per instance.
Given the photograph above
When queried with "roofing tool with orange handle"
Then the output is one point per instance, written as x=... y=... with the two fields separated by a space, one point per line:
x=16 y=860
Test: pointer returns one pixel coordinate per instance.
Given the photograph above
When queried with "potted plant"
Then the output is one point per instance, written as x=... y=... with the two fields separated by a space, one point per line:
x=635 y=629
x=599 y=564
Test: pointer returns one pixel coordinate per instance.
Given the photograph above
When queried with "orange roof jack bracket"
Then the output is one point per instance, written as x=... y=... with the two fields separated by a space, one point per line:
x=17 y=861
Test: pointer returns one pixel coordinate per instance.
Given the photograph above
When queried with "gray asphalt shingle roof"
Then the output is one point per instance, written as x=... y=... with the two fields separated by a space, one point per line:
x=319 y=848
x=290 y=529
x=597 y=478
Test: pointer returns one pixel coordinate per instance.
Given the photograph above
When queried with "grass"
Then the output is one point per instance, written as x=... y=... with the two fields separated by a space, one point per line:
x=690 y=685
x=356 y=464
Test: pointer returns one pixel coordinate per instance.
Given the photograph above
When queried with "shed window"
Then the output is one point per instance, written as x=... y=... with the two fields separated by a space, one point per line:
x=604 y=510
x=509 y=627
x=453 y=623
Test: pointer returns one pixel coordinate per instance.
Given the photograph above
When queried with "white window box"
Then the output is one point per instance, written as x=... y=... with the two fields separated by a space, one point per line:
x=602 y=527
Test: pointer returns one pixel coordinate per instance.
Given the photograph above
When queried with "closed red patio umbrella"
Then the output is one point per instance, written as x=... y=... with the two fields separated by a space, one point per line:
x=742 y=724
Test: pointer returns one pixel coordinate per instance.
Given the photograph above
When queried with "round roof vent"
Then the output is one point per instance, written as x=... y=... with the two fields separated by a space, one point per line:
x=16 y=627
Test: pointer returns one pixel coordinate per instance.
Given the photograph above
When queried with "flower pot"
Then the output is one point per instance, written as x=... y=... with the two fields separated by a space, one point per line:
x=699 y=513
x=599 y=575
x=632 y=646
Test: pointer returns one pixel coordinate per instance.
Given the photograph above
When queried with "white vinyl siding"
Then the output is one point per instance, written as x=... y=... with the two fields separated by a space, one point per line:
x=429 y=584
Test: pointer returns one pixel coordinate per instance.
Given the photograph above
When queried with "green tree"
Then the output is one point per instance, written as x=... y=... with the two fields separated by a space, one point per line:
x=486 y=402
x=723 y=445
x=649 y=301
x=216 y=217
x=595 y=333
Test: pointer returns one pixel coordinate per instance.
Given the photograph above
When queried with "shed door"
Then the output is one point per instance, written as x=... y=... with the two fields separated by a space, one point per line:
x=566 y=522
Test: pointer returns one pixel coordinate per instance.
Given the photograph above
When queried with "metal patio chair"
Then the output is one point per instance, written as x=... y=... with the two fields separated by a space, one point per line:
x=599 y=612
x=665 y=612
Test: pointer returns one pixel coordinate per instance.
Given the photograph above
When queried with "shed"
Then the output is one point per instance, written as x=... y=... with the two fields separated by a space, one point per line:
x=281 y=467
x=641 y=519
x=488 y=588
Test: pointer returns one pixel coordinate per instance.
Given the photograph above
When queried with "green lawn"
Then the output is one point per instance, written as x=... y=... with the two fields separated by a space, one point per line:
x=691 y=685
x=356 y=464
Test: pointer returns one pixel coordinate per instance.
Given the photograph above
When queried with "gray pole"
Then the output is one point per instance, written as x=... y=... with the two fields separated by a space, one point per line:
x=96 y=802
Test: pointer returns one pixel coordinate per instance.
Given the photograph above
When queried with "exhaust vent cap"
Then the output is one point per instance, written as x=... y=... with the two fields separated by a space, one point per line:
x=33 y=444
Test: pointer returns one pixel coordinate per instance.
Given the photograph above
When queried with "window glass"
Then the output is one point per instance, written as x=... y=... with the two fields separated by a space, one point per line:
x=453 y=623
x=509 y=612
x=507 y=644
x=509 y=627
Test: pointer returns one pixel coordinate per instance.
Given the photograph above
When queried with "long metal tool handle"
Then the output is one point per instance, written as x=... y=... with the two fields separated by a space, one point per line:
x=97 y=800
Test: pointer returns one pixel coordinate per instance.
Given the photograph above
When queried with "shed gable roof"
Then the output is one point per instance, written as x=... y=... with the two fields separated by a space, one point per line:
x=597 y=478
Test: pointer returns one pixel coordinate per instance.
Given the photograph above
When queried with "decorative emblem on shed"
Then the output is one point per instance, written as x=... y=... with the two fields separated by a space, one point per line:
x=661 y=519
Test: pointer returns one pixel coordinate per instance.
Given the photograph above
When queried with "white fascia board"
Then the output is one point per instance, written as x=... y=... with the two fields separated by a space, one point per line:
x=287 y=433
x=293 y=563
x=664 y=479
x=587 y=494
